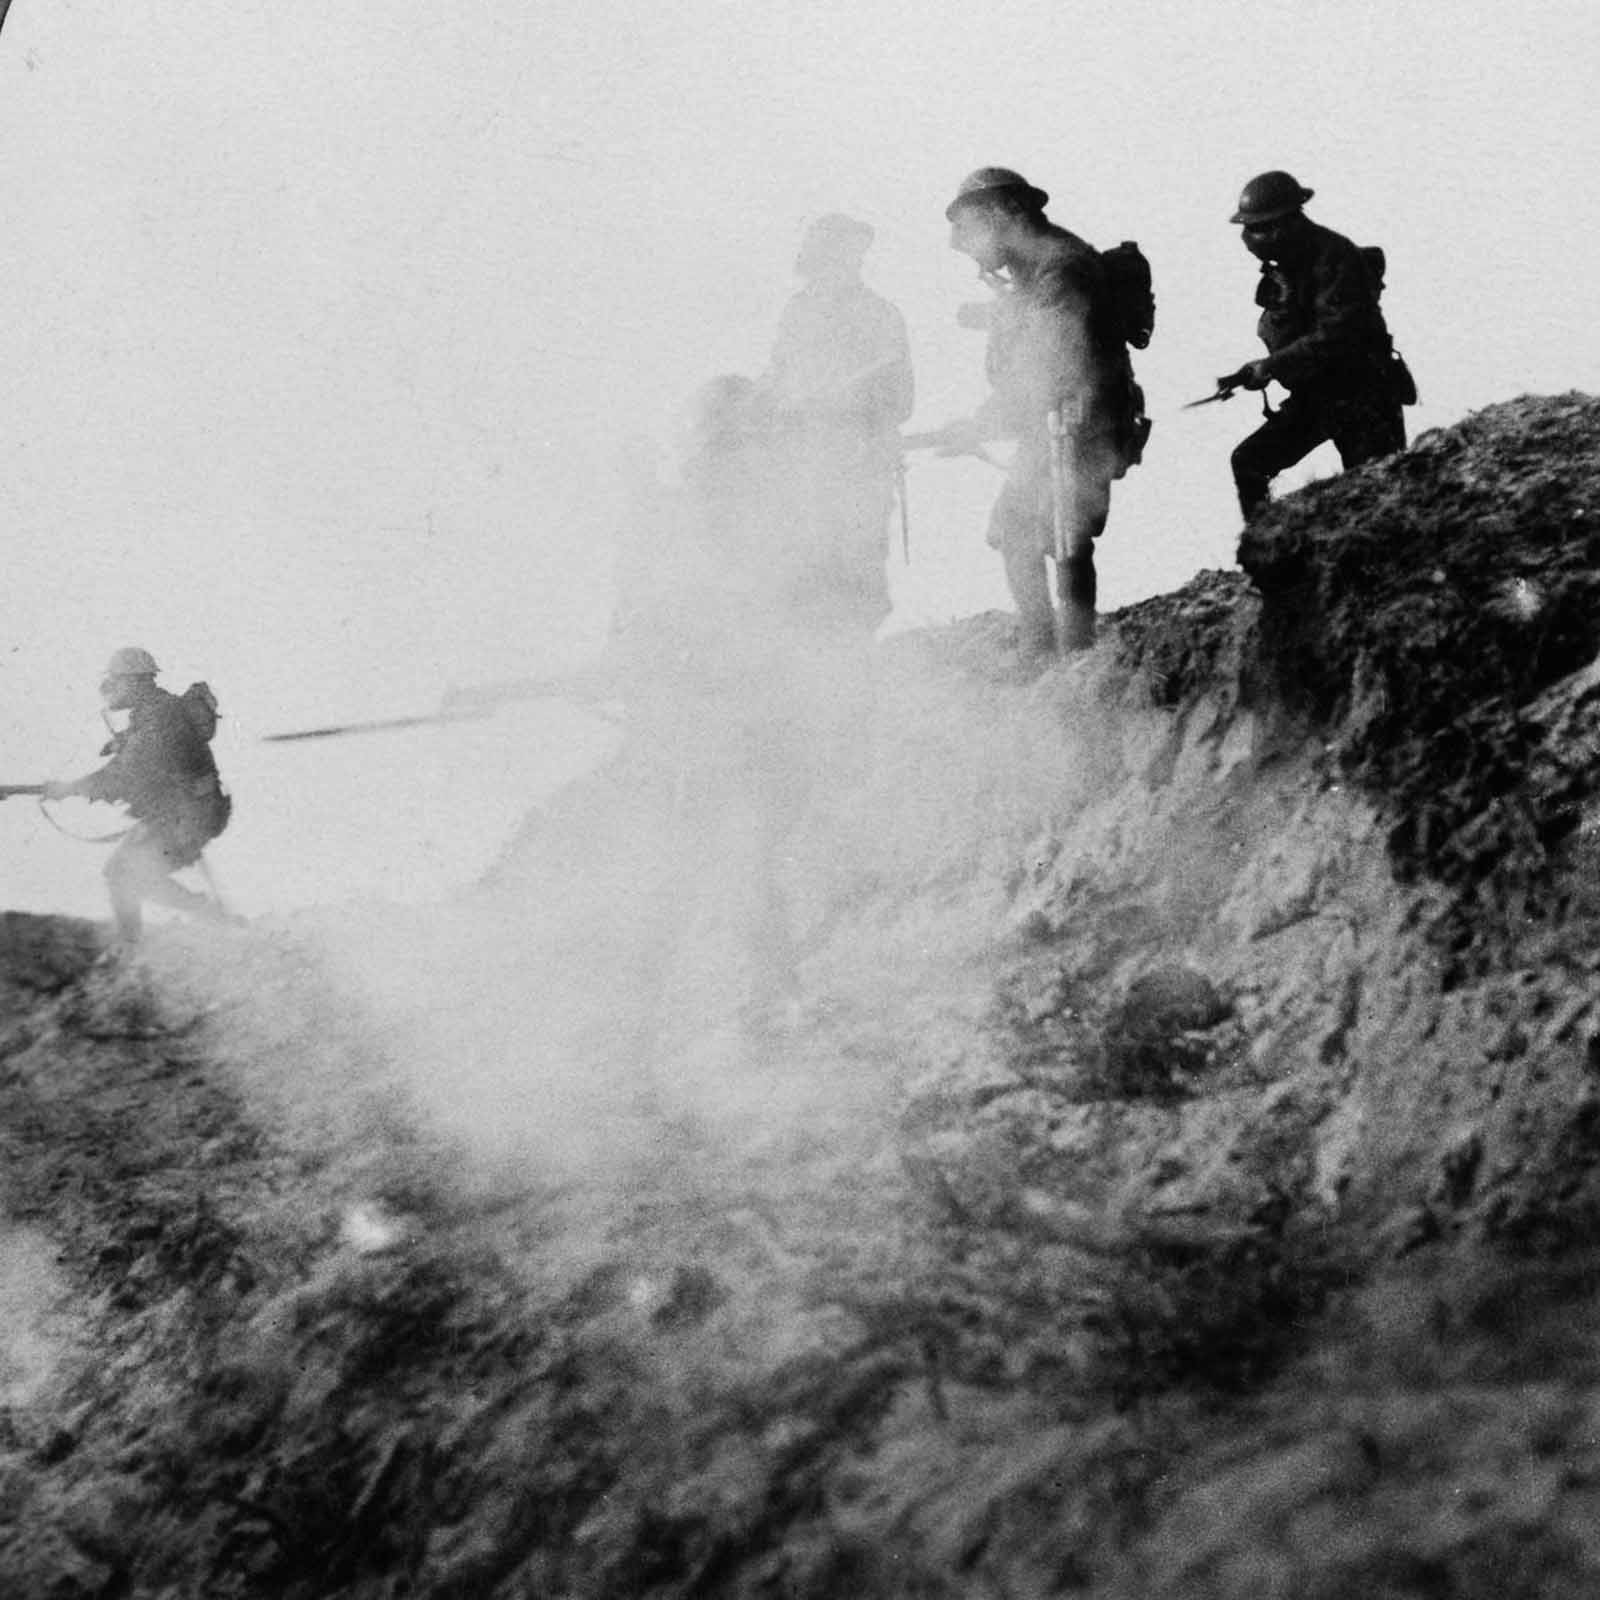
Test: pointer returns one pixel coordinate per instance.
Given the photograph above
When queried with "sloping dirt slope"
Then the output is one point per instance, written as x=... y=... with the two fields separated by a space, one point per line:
x=1179 y=1174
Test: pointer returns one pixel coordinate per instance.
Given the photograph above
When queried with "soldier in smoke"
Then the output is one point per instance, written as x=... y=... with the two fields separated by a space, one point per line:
x=162 y=770
x=840 y=384
x=1327 y=343
x=1055 y=348
x=708 y=650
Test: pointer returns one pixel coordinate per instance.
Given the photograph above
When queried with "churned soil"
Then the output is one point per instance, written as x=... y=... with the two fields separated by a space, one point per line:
x=1438 y=615
x=1177 y=1172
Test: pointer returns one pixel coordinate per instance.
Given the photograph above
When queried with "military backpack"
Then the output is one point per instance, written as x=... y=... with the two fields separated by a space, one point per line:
x=1133 y=306
x=1133 y=297
x=199 y=702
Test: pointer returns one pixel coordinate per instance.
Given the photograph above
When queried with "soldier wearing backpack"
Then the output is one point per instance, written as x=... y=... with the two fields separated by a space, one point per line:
x=1063 y=388
x=1327 y=342
x=162 y=770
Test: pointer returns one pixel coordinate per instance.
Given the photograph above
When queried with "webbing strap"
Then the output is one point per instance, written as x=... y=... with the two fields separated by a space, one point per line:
x=83 y=838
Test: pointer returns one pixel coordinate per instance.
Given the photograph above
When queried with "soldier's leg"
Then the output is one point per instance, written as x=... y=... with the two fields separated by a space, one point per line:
x=870 y=506
x=1289 y=435
x=768 y=917
x=125 y=913
x=141 y=869
x=169 y=892
x=1028 y=576
x=1369 y=429
x=131 y=870
x=1015 y=530
x=1089 y=504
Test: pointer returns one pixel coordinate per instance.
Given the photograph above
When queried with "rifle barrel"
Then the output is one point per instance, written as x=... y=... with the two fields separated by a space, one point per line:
x=11 y=790
x=339 y=730
x=468 y=705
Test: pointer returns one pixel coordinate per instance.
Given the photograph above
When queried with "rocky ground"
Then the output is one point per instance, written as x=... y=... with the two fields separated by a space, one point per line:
x=1177 y=1174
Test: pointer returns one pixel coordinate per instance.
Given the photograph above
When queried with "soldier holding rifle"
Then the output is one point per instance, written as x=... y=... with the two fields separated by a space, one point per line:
x=1327 y=343
x=1060 y=376
x=162 y=770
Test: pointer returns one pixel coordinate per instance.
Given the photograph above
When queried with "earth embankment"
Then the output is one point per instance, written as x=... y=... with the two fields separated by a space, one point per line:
x=1174 y=1172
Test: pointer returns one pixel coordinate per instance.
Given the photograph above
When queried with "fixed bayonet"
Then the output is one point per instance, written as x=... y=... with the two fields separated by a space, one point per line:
x=1225 y=391
x=1227 y=387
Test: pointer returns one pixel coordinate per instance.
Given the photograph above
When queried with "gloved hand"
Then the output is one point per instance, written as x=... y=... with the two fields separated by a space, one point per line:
x=1252 y=375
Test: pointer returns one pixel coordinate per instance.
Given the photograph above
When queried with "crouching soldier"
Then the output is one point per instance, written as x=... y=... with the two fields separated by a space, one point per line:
x=162 y=770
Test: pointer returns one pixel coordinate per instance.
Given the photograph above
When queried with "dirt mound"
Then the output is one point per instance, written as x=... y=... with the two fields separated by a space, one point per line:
x=1420 y=609
x=1176 y=1171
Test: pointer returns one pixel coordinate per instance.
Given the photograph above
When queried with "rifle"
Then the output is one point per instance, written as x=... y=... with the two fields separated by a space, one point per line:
x=930 y=439
x=837 y=388
x=9 y=791
x=1226 y=389
x=938 y=439
x=590 y=688
x=338 y=730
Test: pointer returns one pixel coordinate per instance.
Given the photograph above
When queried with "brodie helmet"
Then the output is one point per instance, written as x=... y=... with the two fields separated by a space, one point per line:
x=834 y=240
x=991 y=183
x=1269 y=196
x=131 y=662
x=836 y=231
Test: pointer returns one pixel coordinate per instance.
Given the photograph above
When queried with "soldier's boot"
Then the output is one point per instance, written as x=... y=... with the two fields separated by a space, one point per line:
x=1078 y=590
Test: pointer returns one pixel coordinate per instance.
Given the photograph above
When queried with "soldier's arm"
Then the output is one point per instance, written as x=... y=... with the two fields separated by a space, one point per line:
x=144 y=762
x=101 y=784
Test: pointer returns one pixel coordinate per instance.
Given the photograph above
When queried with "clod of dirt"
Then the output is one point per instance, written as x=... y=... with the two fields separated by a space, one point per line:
x=1154 y=1038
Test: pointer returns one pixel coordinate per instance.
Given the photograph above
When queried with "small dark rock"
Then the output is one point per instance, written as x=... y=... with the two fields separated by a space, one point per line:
x=694 y=1293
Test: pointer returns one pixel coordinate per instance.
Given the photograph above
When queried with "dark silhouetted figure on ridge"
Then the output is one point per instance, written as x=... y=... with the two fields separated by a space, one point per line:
x=1326 y=338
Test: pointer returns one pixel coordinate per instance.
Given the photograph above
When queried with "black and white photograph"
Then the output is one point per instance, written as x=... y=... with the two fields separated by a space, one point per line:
x=799 y=800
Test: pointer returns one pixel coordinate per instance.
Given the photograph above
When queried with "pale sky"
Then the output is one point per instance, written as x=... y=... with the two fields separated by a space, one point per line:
x=327 y=318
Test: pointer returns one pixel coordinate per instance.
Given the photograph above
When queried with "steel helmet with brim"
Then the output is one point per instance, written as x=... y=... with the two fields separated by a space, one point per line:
x=131 y=662
x=1269 y=196
x=994 y=183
